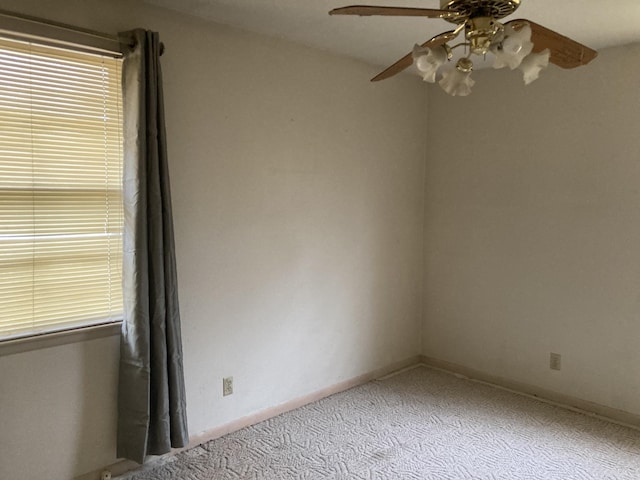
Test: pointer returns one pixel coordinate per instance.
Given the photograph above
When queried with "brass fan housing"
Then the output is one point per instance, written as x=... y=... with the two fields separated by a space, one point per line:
x=479 y=8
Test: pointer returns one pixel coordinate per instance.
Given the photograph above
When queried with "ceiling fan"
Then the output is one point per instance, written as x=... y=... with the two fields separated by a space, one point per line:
x=516 y=44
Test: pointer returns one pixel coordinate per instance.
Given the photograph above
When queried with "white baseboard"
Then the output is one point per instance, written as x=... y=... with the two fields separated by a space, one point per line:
x=559 y=399
x=298 y=402
x=118 y=468
x=124 y=466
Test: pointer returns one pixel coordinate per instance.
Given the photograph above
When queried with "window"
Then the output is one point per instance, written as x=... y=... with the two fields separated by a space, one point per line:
x=60 y=189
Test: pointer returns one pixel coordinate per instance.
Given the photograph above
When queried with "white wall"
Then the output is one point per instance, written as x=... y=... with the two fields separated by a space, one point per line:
x=298 y=202
x=298 y=198
x=532 y=238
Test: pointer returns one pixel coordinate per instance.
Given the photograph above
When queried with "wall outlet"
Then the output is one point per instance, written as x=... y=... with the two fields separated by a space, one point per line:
x=105 y=475
x=555 y=361
x=227 y=386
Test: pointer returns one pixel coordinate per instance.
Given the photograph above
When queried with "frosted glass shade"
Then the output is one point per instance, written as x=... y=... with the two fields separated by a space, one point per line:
x=533 y=64
x=428 y=61
x=514 y=48
x=457 y=83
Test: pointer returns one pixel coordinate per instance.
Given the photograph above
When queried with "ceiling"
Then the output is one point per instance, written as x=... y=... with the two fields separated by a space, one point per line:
x=380 y=41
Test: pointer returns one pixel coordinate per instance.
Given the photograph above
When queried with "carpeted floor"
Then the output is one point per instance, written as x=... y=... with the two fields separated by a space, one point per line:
x=421 y=424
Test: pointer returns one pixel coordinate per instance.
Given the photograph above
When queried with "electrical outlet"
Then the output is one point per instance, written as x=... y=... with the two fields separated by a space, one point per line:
x=227 y=386
x=555 y=361
x=105 y=475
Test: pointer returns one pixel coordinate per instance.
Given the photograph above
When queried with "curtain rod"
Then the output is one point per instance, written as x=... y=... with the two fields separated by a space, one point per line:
x=25 y=27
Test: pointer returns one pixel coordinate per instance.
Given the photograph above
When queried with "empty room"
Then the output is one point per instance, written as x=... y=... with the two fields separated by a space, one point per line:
x=227 y=253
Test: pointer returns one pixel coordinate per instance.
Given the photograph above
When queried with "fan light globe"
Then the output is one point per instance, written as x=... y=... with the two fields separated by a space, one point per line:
x=512 y=45
x=514 y=48
x=458 y=81
x=533 y=64
x=428 y=60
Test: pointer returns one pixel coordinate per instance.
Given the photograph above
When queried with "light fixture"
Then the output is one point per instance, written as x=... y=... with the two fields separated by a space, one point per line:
x=510 y=44
x=514 y=47
x=533 y=64
x=428 y=60
x=458 y=81
x=479 y=25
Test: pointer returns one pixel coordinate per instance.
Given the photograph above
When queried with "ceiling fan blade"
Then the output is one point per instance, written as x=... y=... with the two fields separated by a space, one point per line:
x=565 y=52
x=407 y=60
x=366 y=10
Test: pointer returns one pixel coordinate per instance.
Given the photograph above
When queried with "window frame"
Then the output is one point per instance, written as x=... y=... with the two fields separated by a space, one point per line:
x=44 y=32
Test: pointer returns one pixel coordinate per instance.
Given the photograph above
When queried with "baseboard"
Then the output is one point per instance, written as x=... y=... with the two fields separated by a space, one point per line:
x=521 y=388
x=118 y=468
x=122 y=467
x=268 y=413
x=559 y=399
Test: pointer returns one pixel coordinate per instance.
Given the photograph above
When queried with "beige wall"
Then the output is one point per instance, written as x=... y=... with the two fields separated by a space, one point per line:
x=298 y=201
x=532 y=238
x=298 y=197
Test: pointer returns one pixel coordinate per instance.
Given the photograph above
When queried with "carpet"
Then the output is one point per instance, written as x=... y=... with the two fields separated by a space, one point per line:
x=421 y=424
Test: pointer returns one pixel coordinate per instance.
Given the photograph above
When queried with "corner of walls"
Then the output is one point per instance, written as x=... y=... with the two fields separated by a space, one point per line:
x=423 y=259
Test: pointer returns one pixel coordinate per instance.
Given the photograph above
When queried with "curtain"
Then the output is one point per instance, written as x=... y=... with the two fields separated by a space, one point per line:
x=151 y=395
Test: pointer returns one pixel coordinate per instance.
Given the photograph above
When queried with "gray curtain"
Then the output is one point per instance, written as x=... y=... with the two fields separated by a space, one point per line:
x=151 y=397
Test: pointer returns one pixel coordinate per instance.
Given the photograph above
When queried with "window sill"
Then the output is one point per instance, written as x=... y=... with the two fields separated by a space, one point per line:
x=54 y=339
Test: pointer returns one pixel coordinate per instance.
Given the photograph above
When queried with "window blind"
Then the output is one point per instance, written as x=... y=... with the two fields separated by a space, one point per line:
x=60 y=189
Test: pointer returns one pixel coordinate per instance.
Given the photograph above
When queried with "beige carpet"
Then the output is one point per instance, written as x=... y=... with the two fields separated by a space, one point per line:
x=421 y=424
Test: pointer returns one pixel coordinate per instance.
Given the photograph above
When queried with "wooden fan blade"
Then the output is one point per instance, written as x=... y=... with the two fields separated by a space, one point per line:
x=407 y=60
x=366 y=10
x=565 y=52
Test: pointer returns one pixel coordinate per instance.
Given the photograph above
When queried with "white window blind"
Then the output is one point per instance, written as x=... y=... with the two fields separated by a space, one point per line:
x=60 y=189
